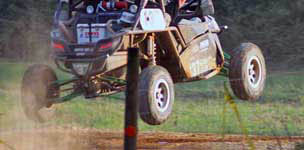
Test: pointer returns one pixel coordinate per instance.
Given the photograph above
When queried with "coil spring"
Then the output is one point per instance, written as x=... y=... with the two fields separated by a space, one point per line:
x=157 y=54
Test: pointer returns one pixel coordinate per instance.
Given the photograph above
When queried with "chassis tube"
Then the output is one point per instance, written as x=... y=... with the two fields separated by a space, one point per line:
x=66 y=98
x=225 y=69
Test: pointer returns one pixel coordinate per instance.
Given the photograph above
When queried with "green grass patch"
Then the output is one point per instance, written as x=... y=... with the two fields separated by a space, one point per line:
x=198 y=107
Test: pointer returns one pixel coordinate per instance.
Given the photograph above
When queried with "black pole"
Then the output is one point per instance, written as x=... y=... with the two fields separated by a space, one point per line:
x=131 y=106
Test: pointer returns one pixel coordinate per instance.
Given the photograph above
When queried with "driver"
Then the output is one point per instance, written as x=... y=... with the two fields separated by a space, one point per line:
x=206 y=8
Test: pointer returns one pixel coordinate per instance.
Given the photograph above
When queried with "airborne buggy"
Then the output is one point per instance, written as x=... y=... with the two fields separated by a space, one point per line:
x=90 y=40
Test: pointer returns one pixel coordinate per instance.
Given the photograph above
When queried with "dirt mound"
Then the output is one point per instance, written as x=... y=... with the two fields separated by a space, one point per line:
x=71 y=138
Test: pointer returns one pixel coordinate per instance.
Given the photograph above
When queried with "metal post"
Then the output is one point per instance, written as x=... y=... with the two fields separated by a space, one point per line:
x=131 y=106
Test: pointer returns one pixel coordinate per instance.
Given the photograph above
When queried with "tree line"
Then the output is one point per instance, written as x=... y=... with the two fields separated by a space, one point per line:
x=277 y=26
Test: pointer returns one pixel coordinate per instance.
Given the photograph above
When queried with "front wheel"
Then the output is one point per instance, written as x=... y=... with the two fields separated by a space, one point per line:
x=247 y=72
x=156 y=95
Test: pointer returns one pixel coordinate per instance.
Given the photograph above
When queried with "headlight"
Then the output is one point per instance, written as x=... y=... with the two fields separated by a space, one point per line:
x=81 y=68
x=90 y=9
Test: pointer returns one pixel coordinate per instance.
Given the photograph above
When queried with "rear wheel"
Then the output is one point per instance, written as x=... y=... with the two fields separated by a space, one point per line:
x=247 y=72
x=37 y=91
x=156 y=95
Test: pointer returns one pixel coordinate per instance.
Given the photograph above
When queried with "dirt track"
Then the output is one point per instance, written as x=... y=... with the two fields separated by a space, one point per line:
x=69 y=138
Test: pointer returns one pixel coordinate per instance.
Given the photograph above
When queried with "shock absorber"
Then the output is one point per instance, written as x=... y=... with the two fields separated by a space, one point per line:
x=151 y=49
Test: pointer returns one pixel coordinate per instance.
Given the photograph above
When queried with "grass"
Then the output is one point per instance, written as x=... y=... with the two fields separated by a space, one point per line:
x=198 y=107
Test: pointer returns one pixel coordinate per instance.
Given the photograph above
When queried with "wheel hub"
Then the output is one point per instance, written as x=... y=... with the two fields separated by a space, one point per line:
x=161 y=95
x=254 y=72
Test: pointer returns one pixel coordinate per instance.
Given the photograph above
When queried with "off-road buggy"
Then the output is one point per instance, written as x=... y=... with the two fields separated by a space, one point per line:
x=91 y=39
